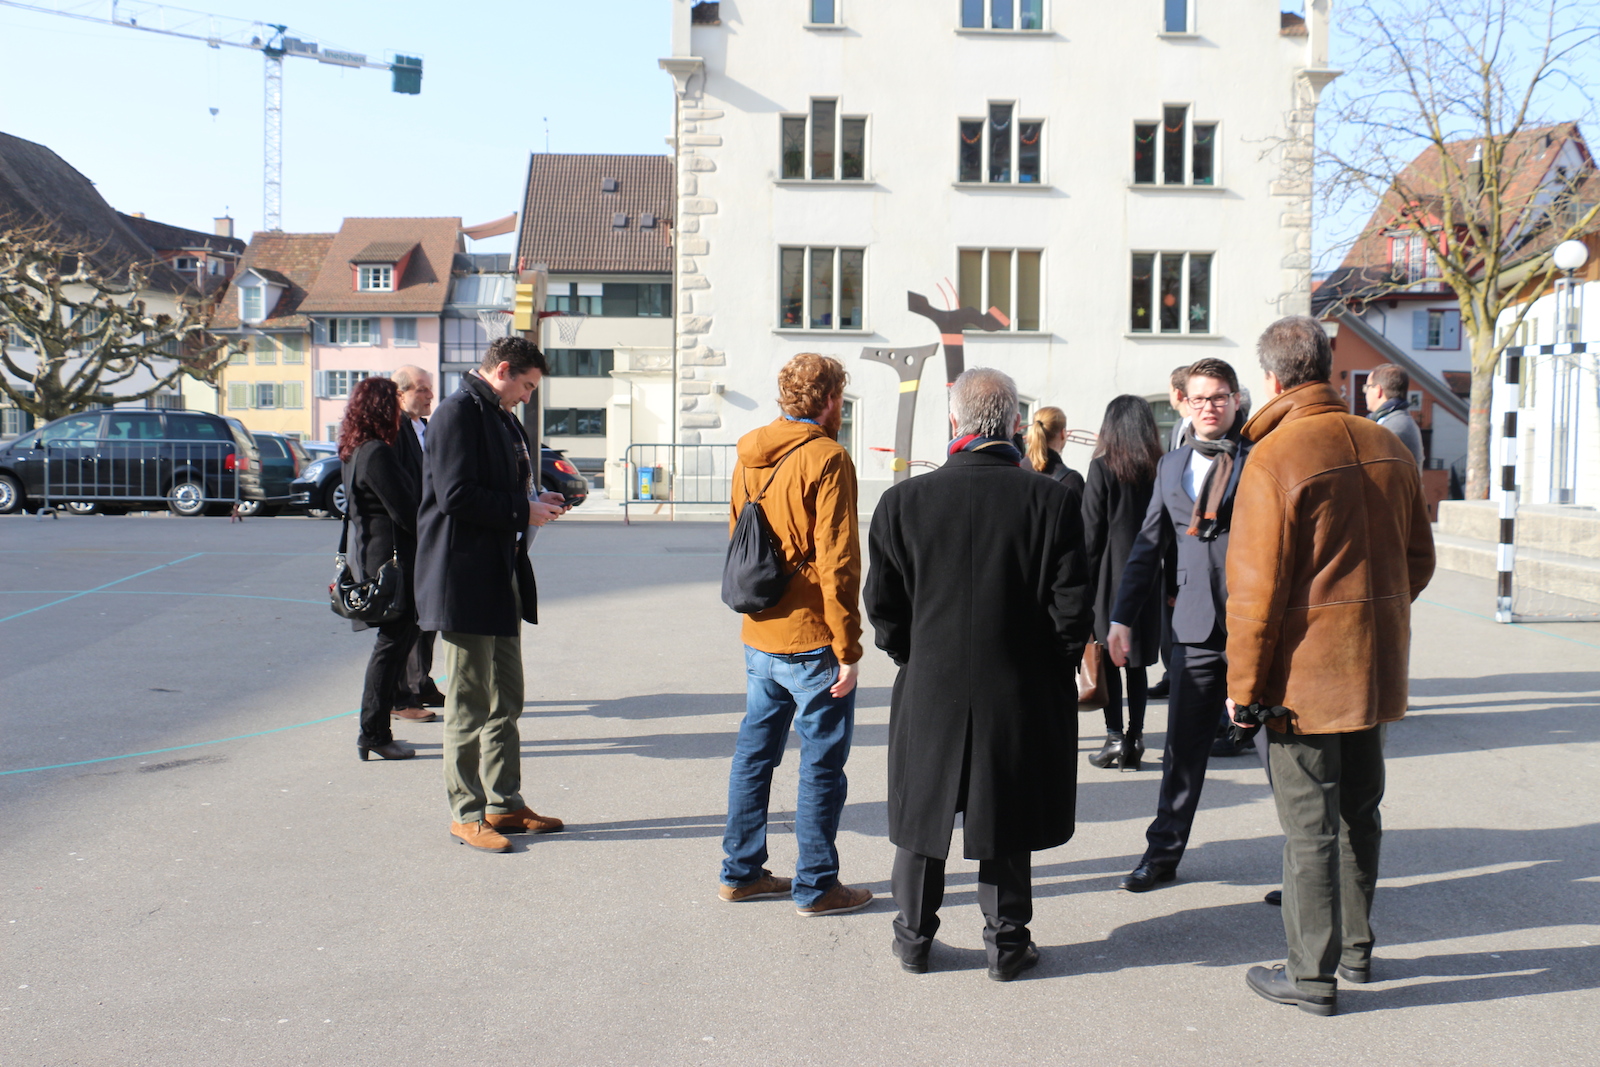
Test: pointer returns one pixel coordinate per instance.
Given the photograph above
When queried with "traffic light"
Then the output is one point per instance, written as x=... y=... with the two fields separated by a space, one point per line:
x=407 y=71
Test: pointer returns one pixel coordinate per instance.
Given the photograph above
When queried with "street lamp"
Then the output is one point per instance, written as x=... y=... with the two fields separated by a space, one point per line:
x=1568 y=257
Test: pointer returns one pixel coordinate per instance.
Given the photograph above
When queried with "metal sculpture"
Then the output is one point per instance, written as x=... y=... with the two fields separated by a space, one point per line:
x=908 y=364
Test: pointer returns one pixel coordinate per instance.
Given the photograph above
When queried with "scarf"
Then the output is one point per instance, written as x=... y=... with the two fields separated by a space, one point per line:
x=994 y=446
x=1389 y=407
x=1212 y=497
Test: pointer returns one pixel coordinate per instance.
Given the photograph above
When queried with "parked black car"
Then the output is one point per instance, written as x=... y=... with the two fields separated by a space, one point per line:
x=121 y=459
x=320 y=484
x=281 y=461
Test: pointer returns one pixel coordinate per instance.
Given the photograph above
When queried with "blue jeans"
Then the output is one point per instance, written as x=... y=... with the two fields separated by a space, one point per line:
x=780 y=689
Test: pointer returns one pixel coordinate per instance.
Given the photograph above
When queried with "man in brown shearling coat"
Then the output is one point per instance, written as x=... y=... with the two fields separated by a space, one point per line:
x=1330 y=546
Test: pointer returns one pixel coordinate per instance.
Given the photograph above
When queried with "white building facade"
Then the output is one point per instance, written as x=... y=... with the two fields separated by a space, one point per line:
x=1129 y=187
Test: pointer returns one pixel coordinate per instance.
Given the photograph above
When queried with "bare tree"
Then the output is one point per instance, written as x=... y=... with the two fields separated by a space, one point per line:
x=1446 y=122
x=72 y=337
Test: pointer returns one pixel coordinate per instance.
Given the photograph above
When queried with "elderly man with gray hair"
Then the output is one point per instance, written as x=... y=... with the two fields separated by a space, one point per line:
x=979 y=592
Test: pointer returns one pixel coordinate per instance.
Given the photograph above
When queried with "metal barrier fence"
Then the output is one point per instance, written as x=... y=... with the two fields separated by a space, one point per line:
x=668 y=475
x=188 y=477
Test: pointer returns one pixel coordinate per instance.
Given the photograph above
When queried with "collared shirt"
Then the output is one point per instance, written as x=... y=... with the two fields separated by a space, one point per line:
x=1194 y=475
x=422 y=433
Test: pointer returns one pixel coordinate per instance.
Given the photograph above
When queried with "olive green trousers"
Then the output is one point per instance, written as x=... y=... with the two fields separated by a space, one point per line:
x=482 y=747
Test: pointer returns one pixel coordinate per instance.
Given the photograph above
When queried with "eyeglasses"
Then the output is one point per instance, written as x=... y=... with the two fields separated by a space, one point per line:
x=1219 y=401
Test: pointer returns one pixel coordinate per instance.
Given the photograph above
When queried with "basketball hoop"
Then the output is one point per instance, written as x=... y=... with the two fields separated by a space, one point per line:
x=496 y=324
x=568 y=326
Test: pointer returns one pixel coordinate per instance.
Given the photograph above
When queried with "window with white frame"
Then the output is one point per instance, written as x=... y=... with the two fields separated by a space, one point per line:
x=336 y=384
x=1436 y=328
x=375 y=278
x=352 y=332
x=1005 y=278
x=824 y=12
x=847 y=425
x=824 y=145
x=1409 y=257
x=821 y=288
x=252 y=303
x=266 y=394
x=1177 y=16
x=330 y=431
x=1171 y=293
x=239 y=395
x=1001 y=148
x=14 y=421
x=238 y=356
x=405 y=332
x=292 y=395
x=266 y=351
x=1002 y=14
x=187 y=264
x=294 y=347
x=1175 y=151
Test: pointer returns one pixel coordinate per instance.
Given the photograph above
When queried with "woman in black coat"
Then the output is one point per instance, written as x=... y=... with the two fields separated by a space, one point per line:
x=1046 y=437
x=1122 y=476
x=382 y=497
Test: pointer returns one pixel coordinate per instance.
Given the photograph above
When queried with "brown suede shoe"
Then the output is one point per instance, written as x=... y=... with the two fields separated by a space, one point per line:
x=414 y=715
x=838 y=900
x=480 y=836
x=767 y=887
x=524 y=821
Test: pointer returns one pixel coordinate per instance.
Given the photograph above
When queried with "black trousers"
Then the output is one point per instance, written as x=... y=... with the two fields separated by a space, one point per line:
x=1199 y=694
x=417 y=681
x=1005 y=893
x=384 y=671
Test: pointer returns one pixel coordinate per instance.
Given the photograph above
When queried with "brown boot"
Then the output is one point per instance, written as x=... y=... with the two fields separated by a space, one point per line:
x=524 y=821
x=480 y=835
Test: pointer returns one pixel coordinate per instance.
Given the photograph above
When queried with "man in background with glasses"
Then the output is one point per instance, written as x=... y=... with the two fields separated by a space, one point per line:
x=1189 y=511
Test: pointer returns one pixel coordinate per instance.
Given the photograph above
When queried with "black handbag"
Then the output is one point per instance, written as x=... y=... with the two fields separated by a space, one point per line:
x=375 y=601
x=754 y=577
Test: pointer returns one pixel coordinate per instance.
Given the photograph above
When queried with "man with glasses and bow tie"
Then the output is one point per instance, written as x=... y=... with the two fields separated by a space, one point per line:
x=1189 y=511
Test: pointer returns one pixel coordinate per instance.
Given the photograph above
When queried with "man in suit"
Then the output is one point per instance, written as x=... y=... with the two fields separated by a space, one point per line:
x=417 y=692
x=476 y=587
x=979 y=592
x=1331 y=547
x=1191 y=508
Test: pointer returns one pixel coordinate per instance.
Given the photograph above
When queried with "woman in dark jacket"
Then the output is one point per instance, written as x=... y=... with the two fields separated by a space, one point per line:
x=1122 y=476
x=382 y=497
x=1046 y=437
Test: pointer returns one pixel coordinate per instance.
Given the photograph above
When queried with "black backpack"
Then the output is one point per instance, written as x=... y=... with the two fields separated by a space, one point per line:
x=753 y=575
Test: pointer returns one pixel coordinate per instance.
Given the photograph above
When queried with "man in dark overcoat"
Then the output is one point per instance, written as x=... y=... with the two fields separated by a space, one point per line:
x=475 y=586
x=979 y=591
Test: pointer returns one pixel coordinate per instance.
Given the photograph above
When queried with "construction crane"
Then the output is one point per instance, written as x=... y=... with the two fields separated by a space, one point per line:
x=271 y=39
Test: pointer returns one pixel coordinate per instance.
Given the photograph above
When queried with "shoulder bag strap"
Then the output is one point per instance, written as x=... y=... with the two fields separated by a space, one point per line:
x=775 y=466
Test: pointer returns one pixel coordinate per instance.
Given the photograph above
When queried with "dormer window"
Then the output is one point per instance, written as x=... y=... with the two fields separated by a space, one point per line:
x=376 y=278
x=252 y=303
x=186 y=264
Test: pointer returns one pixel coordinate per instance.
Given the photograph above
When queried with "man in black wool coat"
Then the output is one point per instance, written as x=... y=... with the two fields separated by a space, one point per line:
x=979 y=591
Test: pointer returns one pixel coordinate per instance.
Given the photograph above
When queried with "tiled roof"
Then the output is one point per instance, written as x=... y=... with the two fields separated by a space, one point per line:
x=165 y=238
x=291 y=259
x=568 y=222
x=383 y=252
x=1529 y=157
x=39 y=188
x=425 y=287
x=1291 y=24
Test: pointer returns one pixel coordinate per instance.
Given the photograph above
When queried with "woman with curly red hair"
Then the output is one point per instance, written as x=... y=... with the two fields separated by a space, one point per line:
x=382 y=497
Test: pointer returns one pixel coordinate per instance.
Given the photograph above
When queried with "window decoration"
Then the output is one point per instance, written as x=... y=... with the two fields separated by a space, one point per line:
x=1001 y=148
x=1184 y=153
x=1171 y=293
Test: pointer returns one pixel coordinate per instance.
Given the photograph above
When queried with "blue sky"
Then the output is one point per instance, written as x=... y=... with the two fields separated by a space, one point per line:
x=131 y=110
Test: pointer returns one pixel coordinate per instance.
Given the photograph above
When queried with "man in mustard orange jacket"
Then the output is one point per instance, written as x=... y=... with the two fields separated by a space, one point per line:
x=800 y=654
x=1331 y=545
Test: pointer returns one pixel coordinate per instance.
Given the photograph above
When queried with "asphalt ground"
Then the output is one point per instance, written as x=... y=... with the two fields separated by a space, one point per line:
x=197 y=870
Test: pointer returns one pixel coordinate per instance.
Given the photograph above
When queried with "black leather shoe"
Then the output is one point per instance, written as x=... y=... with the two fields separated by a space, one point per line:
x=1026 y=962
x=1275 y=898
x=1355 y=975
x=1160 y=690
x=911 y=961
x=390 y=750
x=1147 y=876
x=1271 y=983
